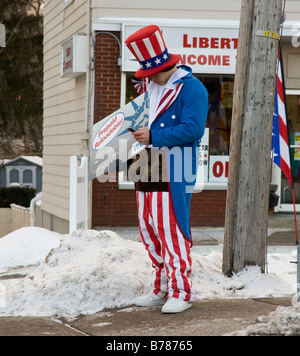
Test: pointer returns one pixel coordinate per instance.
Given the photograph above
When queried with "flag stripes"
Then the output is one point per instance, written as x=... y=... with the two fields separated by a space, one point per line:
x=168 y=249
x=280 y=141
x=168 y=99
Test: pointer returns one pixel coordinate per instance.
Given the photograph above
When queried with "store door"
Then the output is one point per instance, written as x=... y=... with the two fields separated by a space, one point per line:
x=293 y=109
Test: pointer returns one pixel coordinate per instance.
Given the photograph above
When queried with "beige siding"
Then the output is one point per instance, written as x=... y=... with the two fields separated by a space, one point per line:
x=293 y=10
x=64 y=105
x=191 y=9
x=291 y=60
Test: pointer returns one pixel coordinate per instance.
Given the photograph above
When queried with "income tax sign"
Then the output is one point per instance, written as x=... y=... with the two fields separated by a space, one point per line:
x=206 y=47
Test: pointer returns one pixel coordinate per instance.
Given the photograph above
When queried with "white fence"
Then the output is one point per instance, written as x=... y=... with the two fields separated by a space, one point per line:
x=79 y=182
x=14 y=218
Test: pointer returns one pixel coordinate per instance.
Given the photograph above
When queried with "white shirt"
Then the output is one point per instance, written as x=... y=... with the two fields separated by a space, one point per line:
x=156 y=92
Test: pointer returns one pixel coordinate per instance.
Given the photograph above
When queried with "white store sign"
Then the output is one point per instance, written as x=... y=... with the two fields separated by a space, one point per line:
x=74 y=56
x=203 y=158
x=218 y=169
x=205 y=50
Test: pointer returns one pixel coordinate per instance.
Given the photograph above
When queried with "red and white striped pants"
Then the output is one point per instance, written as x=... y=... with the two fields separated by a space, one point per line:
x=168 y=250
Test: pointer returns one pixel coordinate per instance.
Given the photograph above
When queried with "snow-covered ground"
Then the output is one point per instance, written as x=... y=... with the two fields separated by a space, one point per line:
x=25 y=247
x=89 y=271
x=284 y=321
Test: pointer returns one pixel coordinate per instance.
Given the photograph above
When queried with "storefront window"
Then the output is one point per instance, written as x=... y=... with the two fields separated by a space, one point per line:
x=293 y=109
x=131 y=93
x=220 y=91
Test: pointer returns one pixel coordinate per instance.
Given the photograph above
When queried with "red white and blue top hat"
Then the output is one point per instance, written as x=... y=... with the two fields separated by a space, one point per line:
x=149 y=48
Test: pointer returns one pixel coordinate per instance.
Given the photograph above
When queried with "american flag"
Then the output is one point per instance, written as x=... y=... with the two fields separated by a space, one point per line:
x=139 y=85
x=280 y=139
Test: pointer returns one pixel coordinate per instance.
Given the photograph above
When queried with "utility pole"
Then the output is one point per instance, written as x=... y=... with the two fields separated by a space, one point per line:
x=2 y=36
x=246 y=222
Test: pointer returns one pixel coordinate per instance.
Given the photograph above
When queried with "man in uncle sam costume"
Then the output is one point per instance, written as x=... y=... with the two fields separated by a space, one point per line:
x=177 y=118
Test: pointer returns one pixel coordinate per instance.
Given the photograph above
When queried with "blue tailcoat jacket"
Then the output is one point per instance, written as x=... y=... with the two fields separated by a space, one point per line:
x=180 y=129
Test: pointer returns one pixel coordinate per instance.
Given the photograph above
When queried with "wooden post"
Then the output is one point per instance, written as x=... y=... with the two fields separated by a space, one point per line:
x=246 y=222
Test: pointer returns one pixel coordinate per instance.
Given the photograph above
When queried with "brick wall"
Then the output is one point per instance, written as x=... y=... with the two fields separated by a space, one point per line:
x=107 y=77
x=208 y=208
x=114 y=207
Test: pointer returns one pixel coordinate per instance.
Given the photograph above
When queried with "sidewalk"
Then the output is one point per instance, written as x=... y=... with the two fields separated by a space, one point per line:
x=206 y=318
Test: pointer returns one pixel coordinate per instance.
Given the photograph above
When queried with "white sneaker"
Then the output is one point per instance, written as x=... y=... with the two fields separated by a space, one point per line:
x=174 y=305
x=151 y=300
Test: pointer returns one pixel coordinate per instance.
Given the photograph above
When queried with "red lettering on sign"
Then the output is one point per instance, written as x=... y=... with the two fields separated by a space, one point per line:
x=195 y=42
x=192 y=59
x=185 y=42
x=226 y=60
x=218 y=169
x=68 y=65
x=214 y=60
x=203 y=60
x=203 y=42
x=213 y=43
x=235 y=43
x=226 y=169
x=68 y=52
x=108 y=131
x=225 y=43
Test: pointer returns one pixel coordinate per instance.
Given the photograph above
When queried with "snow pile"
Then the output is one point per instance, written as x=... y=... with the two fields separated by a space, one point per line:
x=282 y=322
x=25 y=247
x=89 y=271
